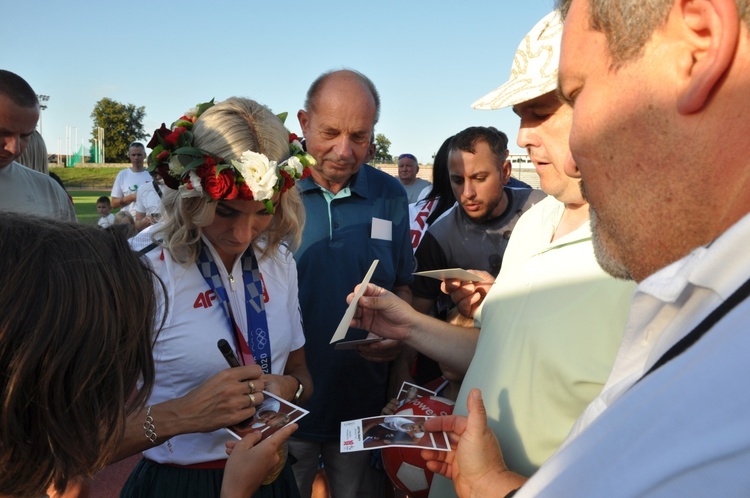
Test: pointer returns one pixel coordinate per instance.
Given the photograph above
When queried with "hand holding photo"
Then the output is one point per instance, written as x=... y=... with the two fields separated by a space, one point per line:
x=349 y=314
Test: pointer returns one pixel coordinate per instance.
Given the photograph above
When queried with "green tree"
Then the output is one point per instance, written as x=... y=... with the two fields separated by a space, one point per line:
x=122 y=123
x=382 y=146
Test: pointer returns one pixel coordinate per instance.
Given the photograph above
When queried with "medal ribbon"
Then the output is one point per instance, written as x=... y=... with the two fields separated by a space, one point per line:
x=256 y=347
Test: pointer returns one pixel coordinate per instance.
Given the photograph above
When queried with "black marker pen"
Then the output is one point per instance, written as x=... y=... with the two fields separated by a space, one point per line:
x=226 y=350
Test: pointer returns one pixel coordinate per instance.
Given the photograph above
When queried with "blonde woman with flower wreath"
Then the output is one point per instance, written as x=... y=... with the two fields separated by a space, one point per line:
x=222 y=249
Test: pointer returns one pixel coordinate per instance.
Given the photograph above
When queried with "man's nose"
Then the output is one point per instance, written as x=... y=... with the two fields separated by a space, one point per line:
x=12 y=144
x=344 y=147
x=527 y=136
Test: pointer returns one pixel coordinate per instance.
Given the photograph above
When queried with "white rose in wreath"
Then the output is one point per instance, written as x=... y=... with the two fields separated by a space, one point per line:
x=259 y=173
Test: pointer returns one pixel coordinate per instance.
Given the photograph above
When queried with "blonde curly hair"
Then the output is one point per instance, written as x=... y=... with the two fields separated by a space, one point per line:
x=227 y=130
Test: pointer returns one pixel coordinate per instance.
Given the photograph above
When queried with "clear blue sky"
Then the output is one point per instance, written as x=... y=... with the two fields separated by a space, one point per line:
x=429 y=59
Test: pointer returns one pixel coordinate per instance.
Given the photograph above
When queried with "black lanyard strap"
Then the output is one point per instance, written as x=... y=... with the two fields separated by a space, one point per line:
x=157 y=189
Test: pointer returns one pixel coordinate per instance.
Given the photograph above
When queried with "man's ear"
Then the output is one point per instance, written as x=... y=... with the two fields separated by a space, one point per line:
x=713 y=28
x=370 y=153
x=505 y=170
x=303 y=119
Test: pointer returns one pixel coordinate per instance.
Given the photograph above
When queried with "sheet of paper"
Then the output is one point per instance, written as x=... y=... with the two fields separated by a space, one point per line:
x=458 y=273
x=349 y=314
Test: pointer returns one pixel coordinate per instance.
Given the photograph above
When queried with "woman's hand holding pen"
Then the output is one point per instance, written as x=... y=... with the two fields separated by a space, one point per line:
x=224 y=399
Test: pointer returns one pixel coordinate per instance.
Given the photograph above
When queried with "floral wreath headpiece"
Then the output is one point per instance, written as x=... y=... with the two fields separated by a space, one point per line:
x=195 y=171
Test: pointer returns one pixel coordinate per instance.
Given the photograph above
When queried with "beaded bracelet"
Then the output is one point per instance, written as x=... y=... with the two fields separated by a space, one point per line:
x=148 y=426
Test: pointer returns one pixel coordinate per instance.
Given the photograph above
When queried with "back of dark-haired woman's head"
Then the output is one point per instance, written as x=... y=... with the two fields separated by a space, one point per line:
x=76 y=335
x=441 y=182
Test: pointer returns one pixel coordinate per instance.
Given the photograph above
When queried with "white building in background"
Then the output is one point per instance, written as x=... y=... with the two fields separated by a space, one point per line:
x=523 y=169
x=519 y=158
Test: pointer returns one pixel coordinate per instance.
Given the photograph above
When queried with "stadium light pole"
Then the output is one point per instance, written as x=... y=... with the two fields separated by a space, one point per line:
x=43 y=99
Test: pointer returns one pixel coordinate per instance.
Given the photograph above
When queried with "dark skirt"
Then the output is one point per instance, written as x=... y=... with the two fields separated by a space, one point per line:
x=154 y=480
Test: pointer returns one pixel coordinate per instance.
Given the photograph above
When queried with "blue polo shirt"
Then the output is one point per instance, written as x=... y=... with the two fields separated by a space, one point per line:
x=343 y=234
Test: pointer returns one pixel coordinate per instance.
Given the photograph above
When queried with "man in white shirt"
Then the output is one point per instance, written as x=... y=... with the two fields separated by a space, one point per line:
x=128 y=180
x=656 y=88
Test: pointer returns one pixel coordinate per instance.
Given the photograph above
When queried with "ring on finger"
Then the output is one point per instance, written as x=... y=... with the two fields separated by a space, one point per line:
x=252 y=399
x=251 y=386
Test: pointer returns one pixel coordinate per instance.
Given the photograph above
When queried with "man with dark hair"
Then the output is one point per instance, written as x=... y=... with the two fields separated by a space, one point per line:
x=125 y=188
x=475 y=232
x=355 y=214
x=23 y=190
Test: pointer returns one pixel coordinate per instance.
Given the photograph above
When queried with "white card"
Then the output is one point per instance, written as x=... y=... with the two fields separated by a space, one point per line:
x=382 y=229
x=349 y=314
x=458 y=273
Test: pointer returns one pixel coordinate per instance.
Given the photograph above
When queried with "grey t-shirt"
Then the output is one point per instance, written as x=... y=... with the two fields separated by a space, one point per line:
x=25 y=191
x=413 y=190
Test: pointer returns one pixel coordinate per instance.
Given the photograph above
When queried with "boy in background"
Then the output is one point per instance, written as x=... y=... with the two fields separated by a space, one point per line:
x=103 y=207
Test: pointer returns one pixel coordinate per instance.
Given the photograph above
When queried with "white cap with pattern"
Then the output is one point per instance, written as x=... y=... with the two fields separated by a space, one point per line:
x=534 y=71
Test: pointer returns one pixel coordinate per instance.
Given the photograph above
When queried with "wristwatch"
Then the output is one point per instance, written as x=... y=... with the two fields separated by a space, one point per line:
x=300 y=390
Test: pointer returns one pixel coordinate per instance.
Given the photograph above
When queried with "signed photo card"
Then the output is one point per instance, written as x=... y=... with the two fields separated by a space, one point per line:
x=390 y=430
x=270 y=416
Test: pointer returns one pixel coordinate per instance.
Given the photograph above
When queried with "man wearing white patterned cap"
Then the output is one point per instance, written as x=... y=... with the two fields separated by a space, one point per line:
x=672 y=421
x=552 y=324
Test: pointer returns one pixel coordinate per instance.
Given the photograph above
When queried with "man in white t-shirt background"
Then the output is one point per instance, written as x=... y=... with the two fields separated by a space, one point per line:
x=128 y=180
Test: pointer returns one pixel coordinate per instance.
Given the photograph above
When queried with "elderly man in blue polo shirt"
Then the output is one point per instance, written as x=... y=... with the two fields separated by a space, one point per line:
x=355 y=214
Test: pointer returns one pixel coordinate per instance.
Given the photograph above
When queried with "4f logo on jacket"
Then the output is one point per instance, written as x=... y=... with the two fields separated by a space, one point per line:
x=205 y=299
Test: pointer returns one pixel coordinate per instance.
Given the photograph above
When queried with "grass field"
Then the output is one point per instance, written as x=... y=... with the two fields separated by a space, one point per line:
x=99 y=178
x=85 y=204
x=96 y=182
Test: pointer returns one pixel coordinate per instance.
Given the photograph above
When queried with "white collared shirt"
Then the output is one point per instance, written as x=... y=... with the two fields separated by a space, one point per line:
x=685 y=429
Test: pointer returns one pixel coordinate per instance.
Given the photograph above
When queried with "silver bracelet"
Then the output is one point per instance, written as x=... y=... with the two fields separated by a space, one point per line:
x=148 y=426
